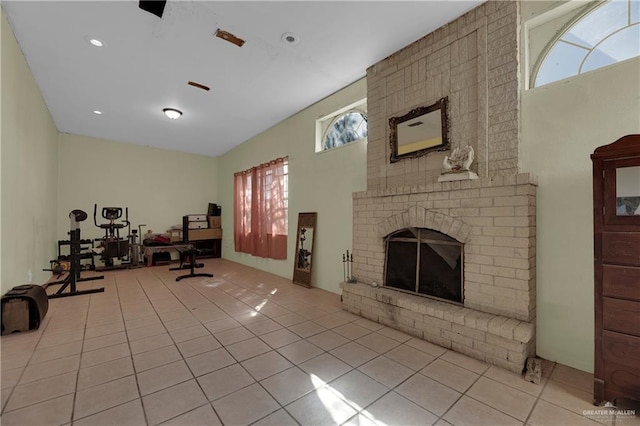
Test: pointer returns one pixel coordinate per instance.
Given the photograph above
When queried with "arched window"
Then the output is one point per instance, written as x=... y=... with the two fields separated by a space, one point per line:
x=342 y=127
x=606 y=34
x=346 y=128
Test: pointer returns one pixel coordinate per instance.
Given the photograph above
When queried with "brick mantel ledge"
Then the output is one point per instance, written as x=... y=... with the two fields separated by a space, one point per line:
x=498 y=340
x=485 y=182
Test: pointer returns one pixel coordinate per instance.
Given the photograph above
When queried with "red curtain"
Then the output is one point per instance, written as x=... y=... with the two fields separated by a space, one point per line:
x=260 y=214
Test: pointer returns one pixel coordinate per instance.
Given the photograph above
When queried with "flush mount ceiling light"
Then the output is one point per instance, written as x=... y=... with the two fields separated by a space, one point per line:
x=96 y=42
x=289 y=38
x=97 y=112
x=172 y=113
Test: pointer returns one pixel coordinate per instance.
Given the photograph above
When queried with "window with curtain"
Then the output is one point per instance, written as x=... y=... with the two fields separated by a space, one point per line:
x=260 y=210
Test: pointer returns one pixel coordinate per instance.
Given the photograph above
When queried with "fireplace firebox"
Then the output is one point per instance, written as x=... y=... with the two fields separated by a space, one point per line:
x=425 y=262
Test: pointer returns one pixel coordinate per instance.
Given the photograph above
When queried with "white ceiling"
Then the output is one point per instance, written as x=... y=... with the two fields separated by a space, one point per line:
x=147 y=61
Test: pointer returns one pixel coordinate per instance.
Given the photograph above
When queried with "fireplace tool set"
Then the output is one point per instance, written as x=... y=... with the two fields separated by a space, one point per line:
x=347 y=263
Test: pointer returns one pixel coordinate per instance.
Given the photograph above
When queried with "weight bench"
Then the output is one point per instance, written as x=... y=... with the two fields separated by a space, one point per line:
x=190 y=255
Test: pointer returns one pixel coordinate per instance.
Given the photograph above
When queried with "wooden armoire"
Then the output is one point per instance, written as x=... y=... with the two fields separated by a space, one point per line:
x=616 y=215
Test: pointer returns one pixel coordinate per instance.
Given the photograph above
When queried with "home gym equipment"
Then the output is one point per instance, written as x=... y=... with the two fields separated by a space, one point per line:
x=190 y=256
x=58 y=267
x=73 y=277
x=23 y=308
x=135 y=248
x=112 y=245
x=63 y=258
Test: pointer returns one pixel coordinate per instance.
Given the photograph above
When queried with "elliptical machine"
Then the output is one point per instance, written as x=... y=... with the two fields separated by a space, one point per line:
x=112 y=245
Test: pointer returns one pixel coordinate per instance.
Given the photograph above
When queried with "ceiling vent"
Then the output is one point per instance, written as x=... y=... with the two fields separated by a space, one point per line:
x=229 y=37
x=198 y=85
x=153 y=6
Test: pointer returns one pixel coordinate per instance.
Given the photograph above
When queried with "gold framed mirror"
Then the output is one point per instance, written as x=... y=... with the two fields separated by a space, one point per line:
x=419 y=131
x=305 y=239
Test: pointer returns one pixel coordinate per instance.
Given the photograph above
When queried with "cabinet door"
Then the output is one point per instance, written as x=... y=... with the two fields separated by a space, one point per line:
x=622 y=368
x=622 y=192
x=621 y=248
x=622 y=282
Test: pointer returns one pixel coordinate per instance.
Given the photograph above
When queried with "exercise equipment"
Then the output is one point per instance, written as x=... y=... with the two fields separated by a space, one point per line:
x=73 y=277
x=190 y=255
x=87 y=255
x=23 y=308
x=58 y=267
x=135 y=248
x=112 y=245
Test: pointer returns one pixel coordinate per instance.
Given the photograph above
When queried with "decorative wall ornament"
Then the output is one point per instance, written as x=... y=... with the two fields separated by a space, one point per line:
x=457 y=166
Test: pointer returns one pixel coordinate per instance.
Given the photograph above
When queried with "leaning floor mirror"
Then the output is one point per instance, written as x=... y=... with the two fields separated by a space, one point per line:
x=303 y=261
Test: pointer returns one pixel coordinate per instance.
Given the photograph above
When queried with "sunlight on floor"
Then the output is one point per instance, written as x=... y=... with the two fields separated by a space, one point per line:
x=214 y=283
x=264 y=302
x=333 y=399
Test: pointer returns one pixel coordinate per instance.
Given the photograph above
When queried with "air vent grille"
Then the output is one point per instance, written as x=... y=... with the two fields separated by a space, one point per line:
x=225 y=35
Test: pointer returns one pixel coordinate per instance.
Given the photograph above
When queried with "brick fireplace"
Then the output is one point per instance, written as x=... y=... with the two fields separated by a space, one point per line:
x=495 y=221
x=475 y=62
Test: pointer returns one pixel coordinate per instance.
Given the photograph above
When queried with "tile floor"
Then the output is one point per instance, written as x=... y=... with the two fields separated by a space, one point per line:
x=247 y=347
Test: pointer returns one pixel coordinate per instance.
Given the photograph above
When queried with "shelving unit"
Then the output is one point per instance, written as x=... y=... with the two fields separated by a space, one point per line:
x=196 y=230
x=86 y=247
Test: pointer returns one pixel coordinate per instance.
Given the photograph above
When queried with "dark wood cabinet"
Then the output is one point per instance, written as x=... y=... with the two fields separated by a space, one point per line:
x=616 y=214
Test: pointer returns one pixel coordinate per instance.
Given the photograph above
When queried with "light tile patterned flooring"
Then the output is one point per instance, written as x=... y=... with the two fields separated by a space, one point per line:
x=247 y=347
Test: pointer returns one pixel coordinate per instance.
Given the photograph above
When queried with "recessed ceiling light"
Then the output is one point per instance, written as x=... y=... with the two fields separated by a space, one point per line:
x=289 y=38
x=172 y=113
x=97 y=112
x=96 y=42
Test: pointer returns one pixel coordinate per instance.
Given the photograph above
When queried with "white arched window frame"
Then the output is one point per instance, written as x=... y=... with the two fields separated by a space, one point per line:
x=606 y=33
x=356 y=129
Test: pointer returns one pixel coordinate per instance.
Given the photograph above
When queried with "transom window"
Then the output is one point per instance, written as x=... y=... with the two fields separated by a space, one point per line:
x=342 y=127
x=349 y=127
x=607 y=34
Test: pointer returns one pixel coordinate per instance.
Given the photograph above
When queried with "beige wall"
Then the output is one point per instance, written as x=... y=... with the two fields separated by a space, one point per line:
x=29 y=171
x=3 y=24
x=562 y=123
x=158 y=186
x=322 y=183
